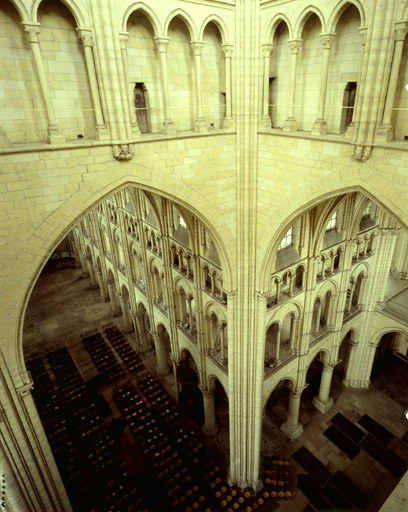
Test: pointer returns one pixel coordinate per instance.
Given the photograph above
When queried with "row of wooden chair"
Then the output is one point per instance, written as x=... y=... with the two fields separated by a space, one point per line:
x=103 y=358
x=122 y=347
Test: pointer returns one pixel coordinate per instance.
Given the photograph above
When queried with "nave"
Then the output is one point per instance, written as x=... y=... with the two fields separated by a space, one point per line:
x=63 y=306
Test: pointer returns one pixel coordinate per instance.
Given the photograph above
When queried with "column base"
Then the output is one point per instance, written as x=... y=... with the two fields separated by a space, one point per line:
x=200 y=125
x=102 y=132
x=116 y=313
x=229 y=123
x=161 y=372
x=265 y=123
x=359 y=384
x=385 y=133
x=322 y=406
x=319 y=127
x=93 y=286
x=128 y=329
x=291 y=433
x=168 y=127
x=290 y=125
x=257 y=486
x=211 y=431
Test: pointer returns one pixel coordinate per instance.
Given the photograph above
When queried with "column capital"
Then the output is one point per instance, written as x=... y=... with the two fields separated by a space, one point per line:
x=296 y=393
x=85 y=34
x=197 y=46
x=207 y=393
x=329 y=367
x=295 y=45
x=363 y=35
x=267 y=49
x=401 y=30
x=227 y=49
x=124 y=40
x=327 y=40
x=161 y=43
x=32 y=30
x=25 y=389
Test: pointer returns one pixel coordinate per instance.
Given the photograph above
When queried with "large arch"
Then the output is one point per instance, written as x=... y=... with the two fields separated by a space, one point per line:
x=325 y=188
x=56 y=226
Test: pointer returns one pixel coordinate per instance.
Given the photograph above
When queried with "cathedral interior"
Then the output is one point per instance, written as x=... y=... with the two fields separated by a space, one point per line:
x=204 y=272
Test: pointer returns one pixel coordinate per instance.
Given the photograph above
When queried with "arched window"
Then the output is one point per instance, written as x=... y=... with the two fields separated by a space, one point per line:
x=332 y=222
x=286 y=240
x=366 y=212
x=182 y=222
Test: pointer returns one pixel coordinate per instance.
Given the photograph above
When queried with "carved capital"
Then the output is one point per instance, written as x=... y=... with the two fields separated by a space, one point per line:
x=327 y=40
x=295 y=45
x=161 y=43
x=400 y=32
x=32 y=30
x=26 y=388
x=124 y=40
x=85 y=34
x=266 y=50
x=123 y=152
x=363 y=35
x=227 y=49
x=197 y=46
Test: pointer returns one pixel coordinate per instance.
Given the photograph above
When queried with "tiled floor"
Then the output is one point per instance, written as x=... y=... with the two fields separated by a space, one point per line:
x=62 y=307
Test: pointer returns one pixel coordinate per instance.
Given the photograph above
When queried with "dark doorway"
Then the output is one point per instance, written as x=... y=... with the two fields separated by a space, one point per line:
x=141 y=107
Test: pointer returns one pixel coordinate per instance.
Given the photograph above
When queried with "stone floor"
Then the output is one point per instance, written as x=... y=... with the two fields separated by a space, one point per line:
x=63 y=306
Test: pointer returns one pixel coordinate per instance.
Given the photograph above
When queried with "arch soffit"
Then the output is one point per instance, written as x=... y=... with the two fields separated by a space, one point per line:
x=326 y=355
x=124 y=290
x=77 y=12
x=164 y=327
x=362 y=268
x=391 y=200
x=21 y=10
x=180 y=282
x=404 y=15
x=339 y=10
x=283 y=311
x=302 y=20
x=326 y=286
x=212 y=307
x=292 y=386
x=192 y=357
x=354 y=334
x=219 y=23
x=147 y=11
x=141 y=307
x=211 y=383
x=274 y=24
x=185 y=18
x=378 y=335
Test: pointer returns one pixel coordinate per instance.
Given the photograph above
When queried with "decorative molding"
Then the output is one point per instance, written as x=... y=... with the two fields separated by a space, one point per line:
x=123 y=152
